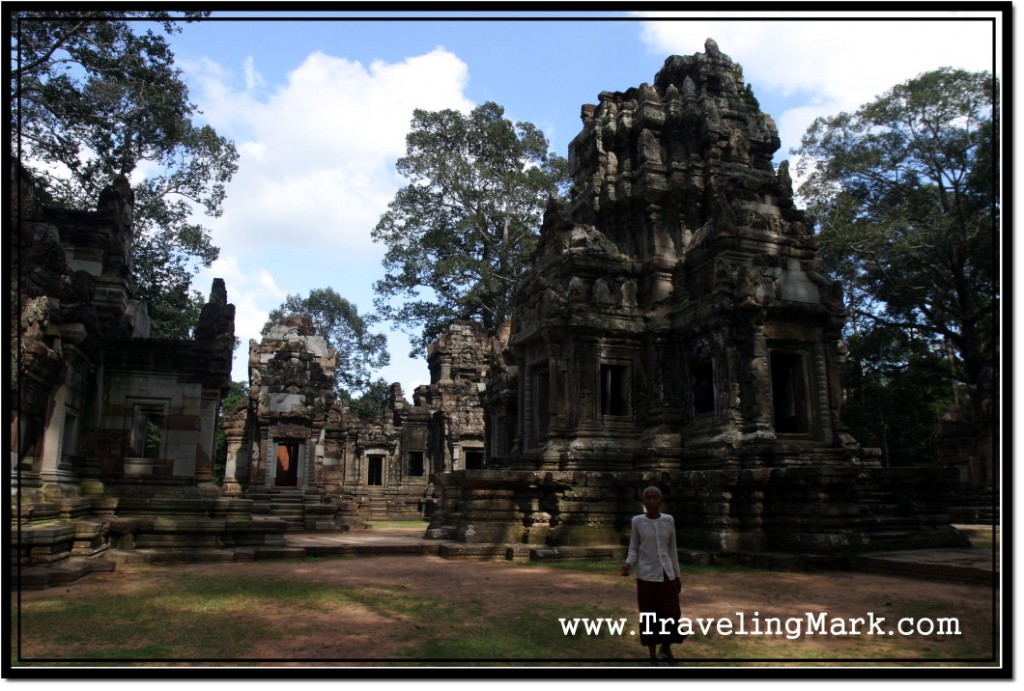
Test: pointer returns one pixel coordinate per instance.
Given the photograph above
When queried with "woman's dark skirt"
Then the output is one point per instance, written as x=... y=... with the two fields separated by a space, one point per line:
x=662 y=598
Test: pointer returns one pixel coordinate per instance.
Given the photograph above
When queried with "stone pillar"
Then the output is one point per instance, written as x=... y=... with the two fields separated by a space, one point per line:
x=207 y=446
x=52 y=471
x=820 y=384
x=556 y=388
x=445 y=375
x=756 y=385
x=237 y=457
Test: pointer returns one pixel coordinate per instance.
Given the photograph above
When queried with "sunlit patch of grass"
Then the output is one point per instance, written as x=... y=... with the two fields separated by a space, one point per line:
x=393 y=601
x=412 y=525
x=197 y=618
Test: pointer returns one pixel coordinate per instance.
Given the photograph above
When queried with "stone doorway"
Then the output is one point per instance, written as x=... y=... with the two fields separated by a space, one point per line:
x=474 y=459
x=287 y=473
x=790 y=394
x=375 y=471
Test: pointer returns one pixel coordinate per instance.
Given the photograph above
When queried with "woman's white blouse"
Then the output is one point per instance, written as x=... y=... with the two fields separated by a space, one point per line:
x=652 y=548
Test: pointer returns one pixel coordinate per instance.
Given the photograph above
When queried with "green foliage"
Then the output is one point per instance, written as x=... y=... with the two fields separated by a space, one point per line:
x=96 y=98
x=338 y=321
x=466 y=225
x=904 y=189
x=897 y=390
x=372 y=402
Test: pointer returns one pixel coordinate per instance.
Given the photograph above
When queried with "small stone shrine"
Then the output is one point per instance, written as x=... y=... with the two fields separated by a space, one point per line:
x=676 y=328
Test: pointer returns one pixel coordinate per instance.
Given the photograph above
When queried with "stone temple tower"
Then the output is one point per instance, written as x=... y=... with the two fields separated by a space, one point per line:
x=677 y=328
x=676 y=309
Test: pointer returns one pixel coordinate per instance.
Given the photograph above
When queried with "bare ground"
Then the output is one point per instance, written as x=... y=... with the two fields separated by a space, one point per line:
x=502 y=591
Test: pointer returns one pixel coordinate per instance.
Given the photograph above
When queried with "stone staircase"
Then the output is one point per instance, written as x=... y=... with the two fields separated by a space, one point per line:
x=301 y=511
x=285 y=504
x=378 y=504
x=899 y=513
x=978 y=507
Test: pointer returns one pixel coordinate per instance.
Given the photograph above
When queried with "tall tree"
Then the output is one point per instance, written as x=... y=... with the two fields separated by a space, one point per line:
x=905 y=191
x=897 y=390
x=338 y=321
x=373 y=401
x=94 y=98
x=466 y=225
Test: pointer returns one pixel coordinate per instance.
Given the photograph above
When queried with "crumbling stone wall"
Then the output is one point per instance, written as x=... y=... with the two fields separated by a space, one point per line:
x=112 y=432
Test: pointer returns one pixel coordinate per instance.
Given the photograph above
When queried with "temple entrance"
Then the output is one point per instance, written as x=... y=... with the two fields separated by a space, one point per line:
x=416 y=464
x=703 y=384
x=287 y=472
x=790 y=393
x=474 y=460
x=375 y=470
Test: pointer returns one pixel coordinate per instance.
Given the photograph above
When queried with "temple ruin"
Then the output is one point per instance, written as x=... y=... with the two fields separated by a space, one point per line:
x=675 y=328
x=112 y=432
x=299 y=454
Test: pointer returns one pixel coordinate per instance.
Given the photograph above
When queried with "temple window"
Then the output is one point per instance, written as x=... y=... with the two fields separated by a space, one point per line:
x=538 y=406
x=69 y=443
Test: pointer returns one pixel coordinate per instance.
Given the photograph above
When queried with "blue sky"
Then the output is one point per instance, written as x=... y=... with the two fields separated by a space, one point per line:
x=319 y=109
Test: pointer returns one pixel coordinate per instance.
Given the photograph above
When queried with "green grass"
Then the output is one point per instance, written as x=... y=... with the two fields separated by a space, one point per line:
x=420 y=525
x=218 y=616
x=202 y=618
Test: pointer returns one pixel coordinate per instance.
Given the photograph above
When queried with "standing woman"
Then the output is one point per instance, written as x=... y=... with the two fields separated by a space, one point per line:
x=652 y=550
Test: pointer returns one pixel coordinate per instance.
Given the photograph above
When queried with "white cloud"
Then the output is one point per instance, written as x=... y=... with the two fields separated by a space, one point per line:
x=317 y=155
x=253 y=79
x=316 y=171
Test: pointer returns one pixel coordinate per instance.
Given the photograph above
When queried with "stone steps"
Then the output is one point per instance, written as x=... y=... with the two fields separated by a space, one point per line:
x=203 y=555
x=60 y=573
x=300 y=510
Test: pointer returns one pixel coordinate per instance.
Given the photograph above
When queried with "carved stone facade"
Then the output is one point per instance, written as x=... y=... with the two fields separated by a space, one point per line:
x=676 y=328
x=112 y=432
